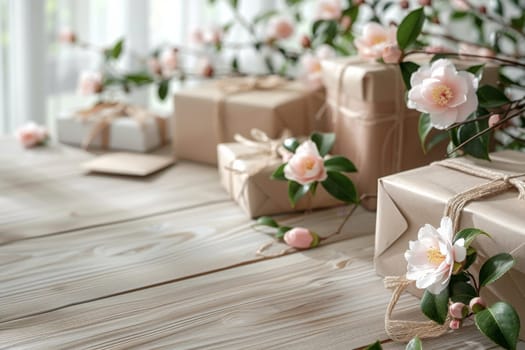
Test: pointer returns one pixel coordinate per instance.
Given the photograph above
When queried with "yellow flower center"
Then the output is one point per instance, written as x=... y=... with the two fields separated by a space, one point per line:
x=309 y=164
x=434 y=256
x=378 y=39
x=442 y=95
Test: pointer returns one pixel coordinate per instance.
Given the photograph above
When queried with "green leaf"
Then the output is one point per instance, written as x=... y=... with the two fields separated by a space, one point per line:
x=469 y=234
x=281 y=231
x=296 y=191
x=293 y=2
x=139 y=78
x=116 y=50
x=495 y=267
x=478 y=147
x=424 y=128
x=163 y=89
x=476 y=70
x=235 y=64
x=500 y=323
x=340 y=163
x=407 y=69
x=291 y=144
x=278 y=174
x=472 y=255
x=459 y=14
x=435 y=307
x=490 y=96
x=341 y=187
x=375 y=346
x=324 y=31
x=267 y=221
x=462 y=292
x=324 y=142
x=234 y=3
x=414 y=344
x=264 y=16
x=410 y=28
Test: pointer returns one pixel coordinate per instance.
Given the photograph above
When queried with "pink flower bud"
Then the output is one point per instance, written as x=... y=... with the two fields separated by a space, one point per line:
x=280 y=28
x=301 y=238
x=494 y=119
x=306 y=42
x=392 y=54
x=31 y=135
x=154 y=66
x=458 y=310
x=67 y=36
x=455 y=324
x=206 y=68
x=345 y=22
x=477 y=304
x=425 y=2
x=404 y=4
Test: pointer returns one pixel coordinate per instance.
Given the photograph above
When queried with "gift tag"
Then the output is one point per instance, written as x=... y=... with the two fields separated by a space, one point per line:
x=133 y=164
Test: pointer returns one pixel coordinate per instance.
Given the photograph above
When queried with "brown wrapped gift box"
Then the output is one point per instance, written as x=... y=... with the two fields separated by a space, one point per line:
x=245 y=174
x=207 y=115
x=374 y=128
x=413 y=198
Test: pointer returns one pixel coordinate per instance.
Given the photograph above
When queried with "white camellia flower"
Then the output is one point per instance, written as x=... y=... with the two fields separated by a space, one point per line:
x=448 y=95
x=431 y=258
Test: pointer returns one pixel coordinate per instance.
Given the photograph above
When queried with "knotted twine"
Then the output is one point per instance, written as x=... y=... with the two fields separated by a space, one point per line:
x=261 y=147
x=402 y=330
x=104 y=113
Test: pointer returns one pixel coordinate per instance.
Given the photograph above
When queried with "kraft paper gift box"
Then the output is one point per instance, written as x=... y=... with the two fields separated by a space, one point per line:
x=103 y=129
x=373 y=126
x=408 y=200
x=245 y=174
x=213 y=112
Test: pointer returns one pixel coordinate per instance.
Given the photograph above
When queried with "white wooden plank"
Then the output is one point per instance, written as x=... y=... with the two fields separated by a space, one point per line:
x=50 y=272
x=327 y=298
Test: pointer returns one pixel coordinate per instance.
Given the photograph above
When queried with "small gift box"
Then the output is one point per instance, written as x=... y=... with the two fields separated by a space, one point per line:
x=114 y=126
x=245 y=169
x=372 y=124
x=408 y=200
x=214 y=112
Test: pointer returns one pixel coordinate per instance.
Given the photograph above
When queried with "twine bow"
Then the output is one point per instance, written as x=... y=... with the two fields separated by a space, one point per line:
x=261 y=147
x=237 y=85
x=103 y=114
x=400 y=330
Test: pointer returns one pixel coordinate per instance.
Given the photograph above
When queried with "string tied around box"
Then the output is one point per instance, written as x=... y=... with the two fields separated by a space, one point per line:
x=404 y=330
x=104 y=113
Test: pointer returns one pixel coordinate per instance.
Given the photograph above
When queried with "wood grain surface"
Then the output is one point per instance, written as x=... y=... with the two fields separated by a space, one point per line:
x=168 y=262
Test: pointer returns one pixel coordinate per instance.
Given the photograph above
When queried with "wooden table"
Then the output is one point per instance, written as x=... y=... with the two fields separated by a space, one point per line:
x=168 y=262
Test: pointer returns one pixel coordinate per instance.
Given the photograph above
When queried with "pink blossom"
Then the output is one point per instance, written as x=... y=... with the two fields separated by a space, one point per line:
x=457 y=310
x=205 y=68
x=329 y=9
x=90 y=83
x=392 y=54
x=477 y=304
x=306 y=165
x=447 y=95
x=169 y=60
x=345 y=22
x=197 y=36
x=460 y=5
x=494 y=119
x=374 y=39
x=300 y=237
x=280 y=28
x=31 y=135
x=431 y=258
x=306 y=42
x=67 y=36
x=311 y=66
x=455 y=324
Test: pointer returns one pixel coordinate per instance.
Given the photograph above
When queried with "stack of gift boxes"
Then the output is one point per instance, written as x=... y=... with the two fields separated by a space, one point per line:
x=364 y=105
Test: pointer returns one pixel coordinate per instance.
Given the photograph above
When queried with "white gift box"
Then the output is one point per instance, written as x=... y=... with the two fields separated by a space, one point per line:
x=123 y=133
